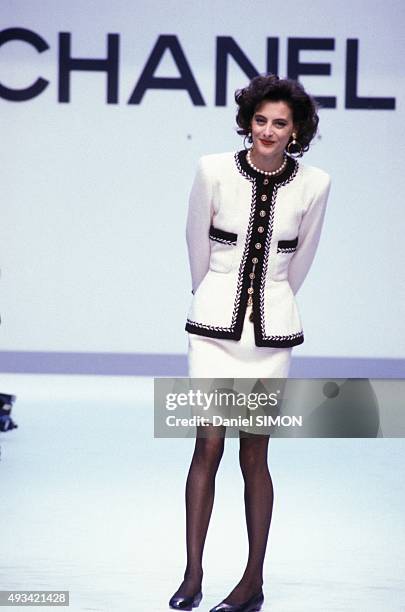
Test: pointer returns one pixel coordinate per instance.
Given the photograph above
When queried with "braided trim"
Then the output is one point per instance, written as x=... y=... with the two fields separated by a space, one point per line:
x=204 y=326
x=286 y=249
x=223 y=241
x=248 y=238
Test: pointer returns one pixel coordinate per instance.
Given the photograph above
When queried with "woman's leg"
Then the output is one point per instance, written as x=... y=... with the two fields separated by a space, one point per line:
x=258 y=510
x=200 y=490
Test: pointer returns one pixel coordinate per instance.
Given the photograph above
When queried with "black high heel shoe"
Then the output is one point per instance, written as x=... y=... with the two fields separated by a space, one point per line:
x=253 y=604
x=186 y=603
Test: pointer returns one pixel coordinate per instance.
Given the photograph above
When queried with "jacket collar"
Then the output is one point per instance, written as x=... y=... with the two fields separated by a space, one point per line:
x=246 y=169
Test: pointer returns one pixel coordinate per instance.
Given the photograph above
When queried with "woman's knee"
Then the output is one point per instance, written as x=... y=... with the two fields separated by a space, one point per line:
x=209 y=449
x=253 y=454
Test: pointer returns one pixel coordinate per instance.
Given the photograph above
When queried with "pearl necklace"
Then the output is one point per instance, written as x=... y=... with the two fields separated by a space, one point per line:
x=267 y=173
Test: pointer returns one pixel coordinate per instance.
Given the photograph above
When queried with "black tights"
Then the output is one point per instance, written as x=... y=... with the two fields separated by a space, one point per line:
x=200 y=490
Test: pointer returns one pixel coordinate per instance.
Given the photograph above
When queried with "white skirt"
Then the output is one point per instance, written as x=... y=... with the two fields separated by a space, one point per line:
x=226 y=361
x=214 y=357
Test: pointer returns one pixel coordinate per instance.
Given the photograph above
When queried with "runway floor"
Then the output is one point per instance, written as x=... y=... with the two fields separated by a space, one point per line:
x=92 y=503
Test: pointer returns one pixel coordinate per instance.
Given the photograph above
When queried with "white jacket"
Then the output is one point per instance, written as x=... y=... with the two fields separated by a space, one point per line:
x=252 y=235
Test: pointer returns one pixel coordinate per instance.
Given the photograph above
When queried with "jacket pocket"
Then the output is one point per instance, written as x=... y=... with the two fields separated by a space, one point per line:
x=287 y=246
x=223 y=249
x=222 y=236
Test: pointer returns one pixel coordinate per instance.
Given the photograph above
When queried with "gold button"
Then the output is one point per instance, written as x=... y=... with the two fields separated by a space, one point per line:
x=260 y=229
x=252 y=275
x=263 y=198
x=266 y=182
x=258 y=245
x=250 y=291
x=262 y=213
x=255 y=260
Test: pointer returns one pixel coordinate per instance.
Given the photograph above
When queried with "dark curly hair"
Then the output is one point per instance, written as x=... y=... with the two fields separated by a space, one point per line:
x=271 y=87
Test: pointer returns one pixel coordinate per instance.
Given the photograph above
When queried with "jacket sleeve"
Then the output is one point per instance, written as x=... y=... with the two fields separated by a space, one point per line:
x=308 y=236
x=199 y=217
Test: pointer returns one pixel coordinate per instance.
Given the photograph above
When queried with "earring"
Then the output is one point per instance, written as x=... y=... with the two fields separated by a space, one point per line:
x=294 y=144
x=250 y=140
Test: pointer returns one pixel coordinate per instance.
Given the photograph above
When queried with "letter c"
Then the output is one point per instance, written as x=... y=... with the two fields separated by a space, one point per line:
x=30 y=37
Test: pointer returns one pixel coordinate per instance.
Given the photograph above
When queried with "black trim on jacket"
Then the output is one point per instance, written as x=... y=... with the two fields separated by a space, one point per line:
x=287 y=246
x=220 y=235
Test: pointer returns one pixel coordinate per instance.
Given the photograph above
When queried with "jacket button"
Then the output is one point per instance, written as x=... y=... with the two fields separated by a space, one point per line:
x=251 y=275
x=262 y=213
x=258 y=245
x=263 y=198
x=250 y=290
x=260 y=229
x=266 y=182
x=255 y=260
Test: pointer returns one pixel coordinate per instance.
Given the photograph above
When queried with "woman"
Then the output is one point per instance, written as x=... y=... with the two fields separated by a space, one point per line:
x=253 y=226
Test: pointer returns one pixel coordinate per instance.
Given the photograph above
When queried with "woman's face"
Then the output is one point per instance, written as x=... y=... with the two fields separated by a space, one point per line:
x=271 y=127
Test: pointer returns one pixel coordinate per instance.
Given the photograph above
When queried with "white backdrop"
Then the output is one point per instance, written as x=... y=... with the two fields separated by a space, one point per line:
x=94 y=195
